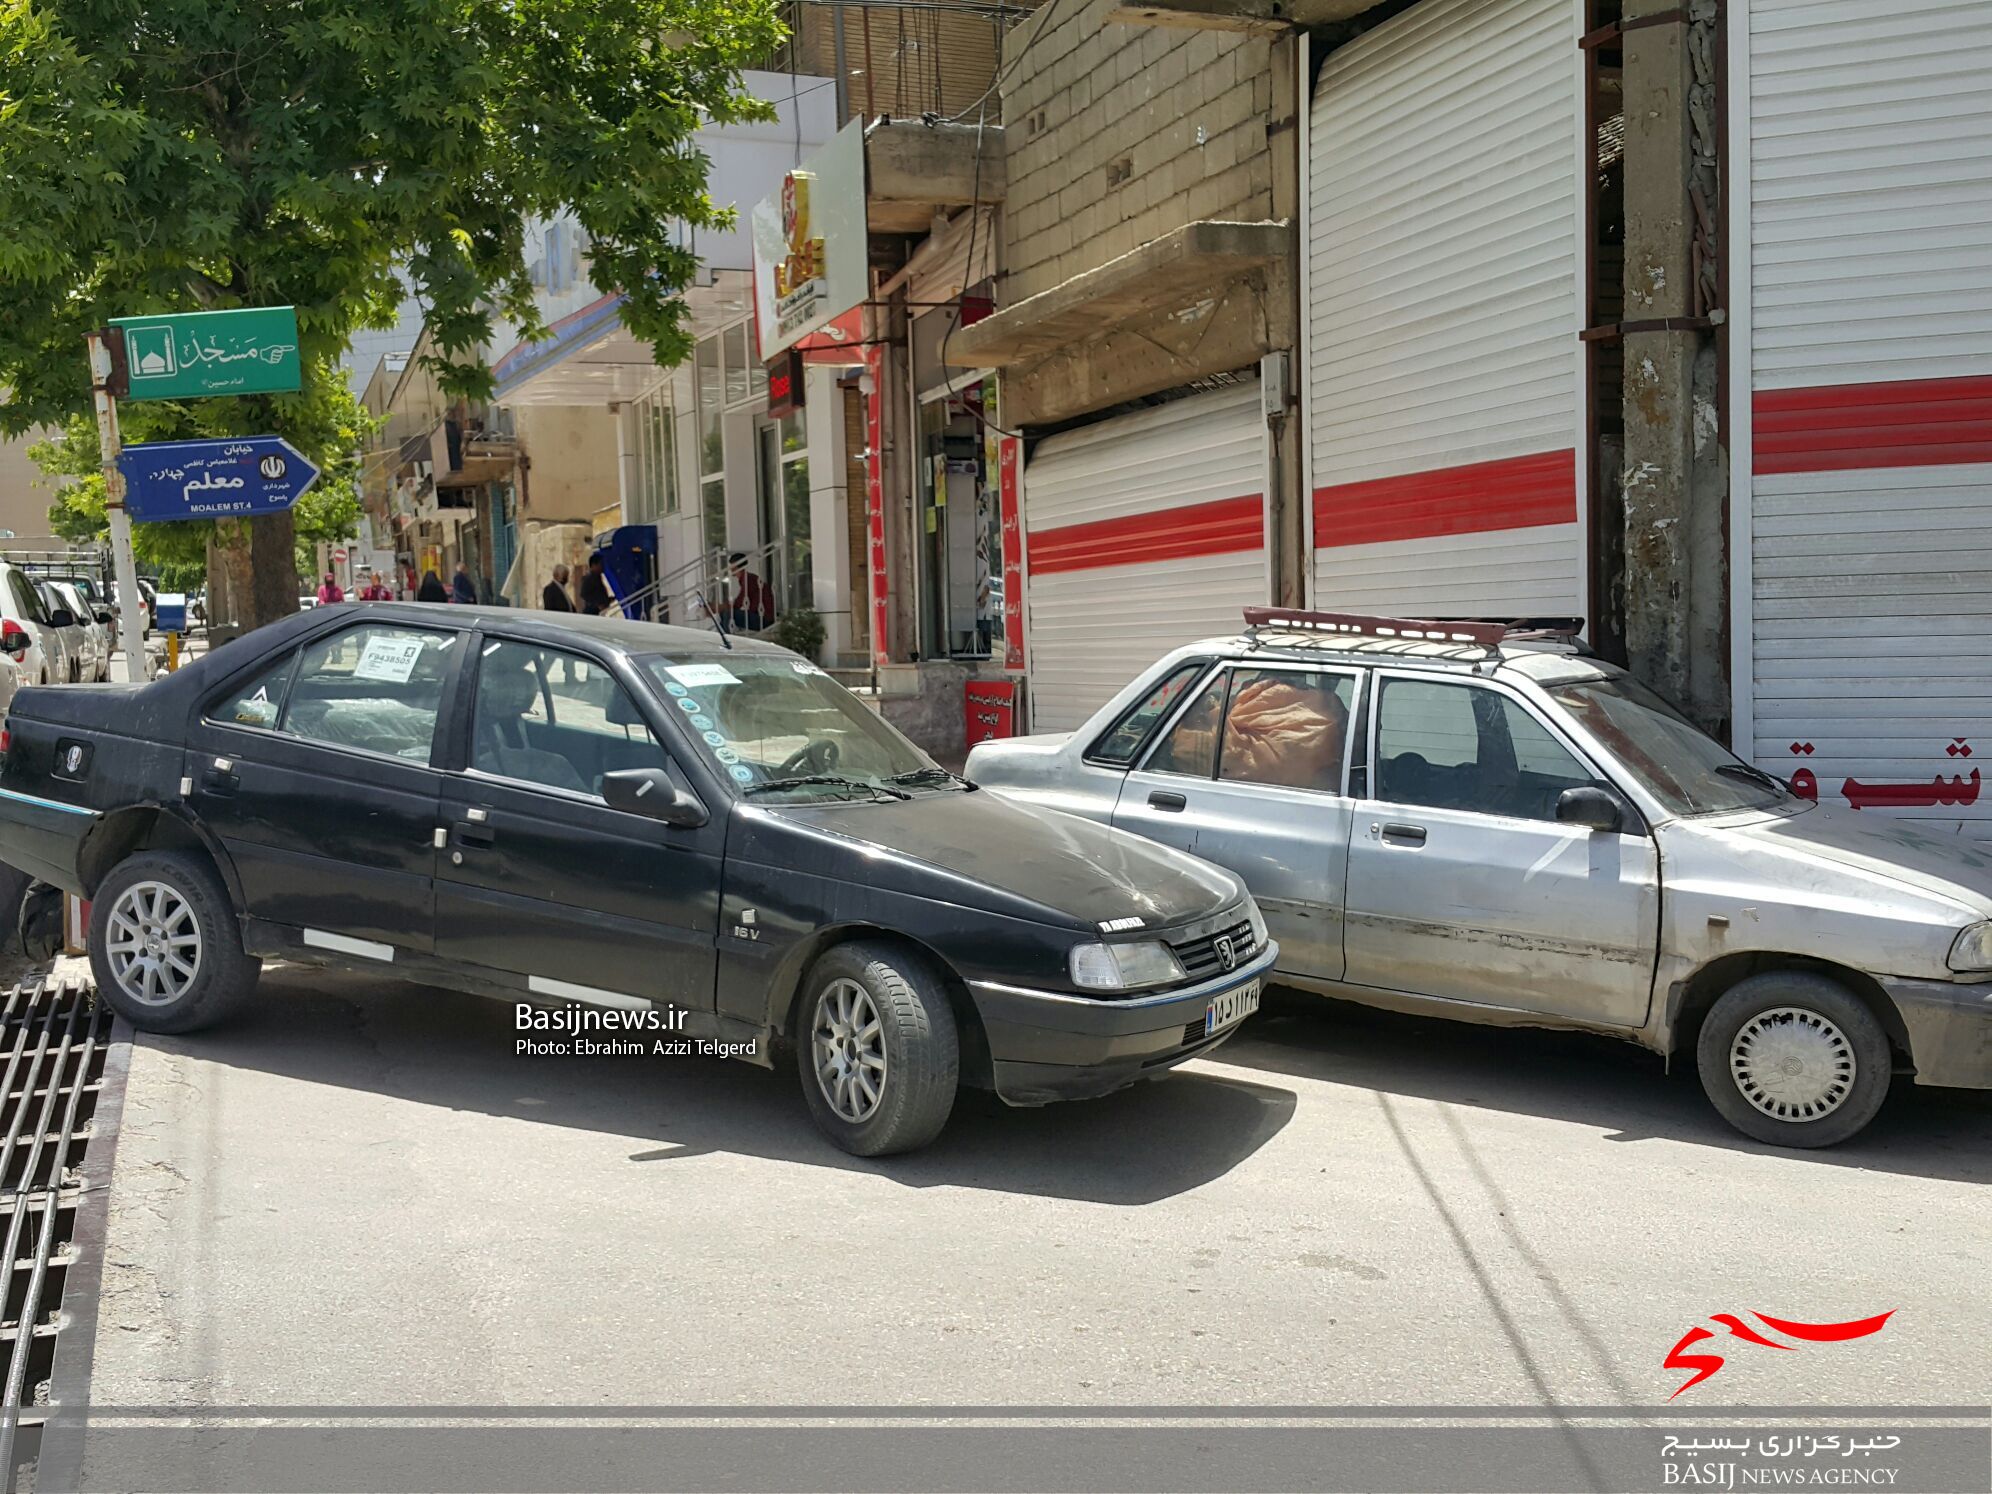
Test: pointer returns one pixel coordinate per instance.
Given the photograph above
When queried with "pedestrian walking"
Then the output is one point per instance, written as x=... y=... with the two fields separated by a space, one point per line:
x=595 y=595
x=554 y=598
x=329 y=591
x=376 y=590
x=432 y=589
x=462 y=588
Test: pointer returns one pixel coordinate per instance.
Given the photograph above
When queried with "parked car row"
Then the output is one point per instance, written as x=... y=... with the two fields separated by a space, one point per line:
x=668 y=831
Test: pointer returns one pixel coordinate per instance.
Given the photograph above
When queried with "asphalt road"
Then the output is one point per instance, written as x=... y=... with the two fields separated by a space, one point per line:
x=358 y=1195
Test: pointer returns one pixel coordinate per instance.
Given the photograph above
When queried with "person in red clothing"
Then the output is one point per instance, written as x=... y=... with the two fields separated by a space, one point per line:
x=329 y=591
x=753 y=601
x=376 y=590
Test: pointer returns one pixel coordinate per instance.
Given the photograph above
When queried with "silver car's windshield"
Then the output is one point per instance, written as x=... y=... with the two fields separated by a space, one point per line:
x=783 y=730
x=1680 y=765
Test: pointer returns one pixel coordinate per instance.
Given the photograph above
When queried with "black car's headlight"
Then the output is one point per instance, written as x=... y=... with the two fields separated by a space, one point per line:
x=1124 y=967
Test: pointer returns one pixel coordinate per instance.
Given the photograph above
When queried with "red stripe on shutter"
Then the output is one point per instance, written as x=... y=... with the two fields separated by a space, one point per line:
x=1901 y=423
x=1514 y=493
x=1223 y=527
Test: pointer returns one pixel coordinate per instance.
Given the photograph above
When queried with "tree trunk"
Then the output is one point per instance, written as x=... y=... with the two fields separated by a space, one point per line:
x=252 y=572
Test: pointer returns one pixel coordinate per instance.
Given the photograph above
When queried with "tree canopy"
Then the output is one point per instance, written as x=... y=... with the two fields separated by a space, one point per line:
x=177 y=155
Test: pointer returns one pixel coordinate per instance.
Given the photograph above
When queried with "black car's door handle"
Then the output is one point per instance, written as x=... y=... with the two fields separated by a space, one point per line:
x=1405 y=834
x=1163 y=799
x=220 y=782
x=468 y=834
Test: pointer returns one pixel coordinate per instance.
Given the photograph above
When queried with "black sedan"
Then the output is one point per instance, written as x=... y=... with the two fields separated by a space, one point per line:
x=626 y=829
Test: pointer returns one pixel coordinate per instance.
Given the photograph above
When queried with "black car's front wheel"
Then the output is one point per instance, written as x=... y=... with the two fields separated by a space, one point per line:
x=164 y=943
x=878 y=1050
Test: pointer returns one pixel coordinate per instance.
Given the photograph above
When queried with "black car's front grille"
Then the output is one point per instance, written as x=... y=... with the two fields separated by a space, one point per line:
x=1193 y=1033
x=1203 y=958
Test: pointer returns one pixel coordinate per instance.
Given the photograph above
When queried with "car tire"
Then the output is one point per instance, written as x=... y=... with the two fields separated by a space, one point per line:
x=156 y=901
x=1794 y=1059
x=877 y=1013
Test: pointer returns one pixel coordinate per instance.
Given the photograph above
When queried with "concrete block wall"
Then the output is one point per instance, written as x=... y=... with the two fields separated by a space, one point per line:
x=1119 y=133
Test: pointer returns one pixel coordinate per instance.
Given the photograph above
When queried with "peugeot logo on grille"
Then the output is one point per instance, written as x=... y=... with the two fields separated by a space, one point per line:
x=1226 y=955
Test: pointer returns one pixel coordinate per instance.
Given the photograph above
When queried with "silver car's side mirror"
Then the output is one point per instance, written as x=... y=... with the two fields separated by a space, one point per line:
x=1593 y=808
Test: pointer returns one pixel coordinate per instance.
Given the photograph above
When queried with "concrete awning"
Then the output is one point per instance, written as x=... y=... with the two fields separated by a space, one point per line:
x=1163 y=272
x=914 y=170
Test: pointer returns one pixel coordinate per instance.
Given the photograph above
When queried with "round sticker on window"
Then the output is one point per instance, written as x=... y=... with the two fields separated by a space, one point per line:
x=742 y=773
x=726 y=755
x=674 y=690
x=714 y=739
x=688 y=705
x=702 y=722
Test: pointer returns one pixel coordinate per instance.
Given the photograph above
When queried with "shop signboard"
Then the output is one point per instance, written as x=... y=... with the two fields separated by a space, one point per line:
x=810 y=247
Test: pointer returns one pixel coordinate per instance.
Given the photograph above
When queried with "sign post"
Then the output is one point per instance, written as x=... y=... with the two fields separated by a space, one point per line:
x=236 y=477
x=205 y=354
x=130 y=636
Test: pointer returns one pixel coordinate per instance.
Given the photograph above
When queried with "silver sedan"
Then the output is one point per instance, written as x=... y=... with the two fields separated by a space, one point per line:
x=1471 y=822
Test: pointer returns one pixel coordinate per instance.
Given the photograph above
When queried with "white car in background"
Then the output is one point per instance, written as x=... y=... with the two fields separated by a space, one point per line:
x=68 y=624
x=39 y=653
x=92 y=624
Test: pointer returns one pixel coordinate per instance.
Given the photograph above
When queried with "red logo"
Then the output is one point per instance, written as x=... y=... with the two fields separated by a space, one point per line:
x=1705 y=1365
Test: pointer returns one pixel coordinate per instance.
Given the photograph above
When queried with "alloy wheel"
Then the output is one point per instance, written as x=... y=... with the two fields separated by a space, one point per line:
x=1792 y=1064
x=154 y=943
x=847 y=1047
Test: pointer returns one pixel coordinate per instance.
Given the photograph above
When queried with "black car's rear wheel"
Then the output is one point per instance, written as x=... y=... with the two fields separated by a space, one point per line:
x=877 y=1048
x=164 y=943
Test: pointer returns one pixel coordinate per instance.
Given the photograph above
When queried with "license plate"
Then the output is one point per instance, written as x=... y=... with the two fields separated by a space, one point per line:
x=1232 y=1006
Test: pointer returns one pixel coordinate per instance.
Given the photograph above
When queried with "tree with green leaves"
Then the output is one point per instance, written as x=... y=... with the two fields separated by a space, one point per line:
x=186 y=155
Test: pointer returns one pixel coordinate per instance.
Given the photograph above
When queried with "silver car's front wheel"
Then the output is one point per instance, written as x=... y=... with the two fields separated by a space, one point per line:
x=1795 y=1058
x=154 y=944
x=847 y=1044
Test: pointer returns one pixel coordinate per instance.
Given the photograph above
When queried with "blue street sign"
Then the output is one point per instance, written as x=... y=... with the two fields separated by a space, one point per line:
x=229 y=479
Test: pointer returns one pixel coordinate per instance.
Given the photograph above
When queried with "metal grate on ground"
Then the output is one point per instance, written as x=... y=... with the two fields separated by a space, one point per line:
x=55 y=1039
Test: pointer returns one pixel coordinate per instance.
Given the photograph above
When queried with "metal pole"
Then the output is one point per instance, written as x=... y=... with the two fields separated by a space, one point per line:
x=122 y=561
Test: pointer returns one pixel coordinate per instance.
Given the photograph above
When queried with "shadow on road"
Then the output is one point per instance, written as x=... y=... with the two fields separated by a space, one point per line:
x=443 y=1048
x=1593 y=1081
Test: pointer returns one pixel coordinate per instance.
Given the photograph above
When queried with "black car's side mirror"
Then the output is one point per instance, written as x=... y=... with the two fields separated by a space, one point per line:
x=650 y=792
x=62 y=617
x=103 y=616
x=1593 y=808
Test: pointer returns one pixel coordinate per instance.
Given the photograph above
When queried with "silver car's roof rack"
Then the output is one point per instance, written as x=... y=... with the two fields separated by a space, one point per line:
x=1483 y=632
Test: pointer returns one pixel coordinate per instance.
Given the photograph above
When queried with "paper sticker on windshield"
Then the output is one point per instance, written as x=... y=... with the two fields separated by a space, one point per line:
x=714 y=739
x=674 y=690
x=743 y=774
x=702 y=722
x=702 y=674
x=803 y=666
x=389 y=659
x=726 y=754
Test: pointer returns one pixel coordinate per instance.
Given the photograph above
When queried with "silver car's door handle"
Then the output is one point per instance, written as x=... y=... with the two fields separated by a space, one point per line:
x=1163 y=799
x=1408 y=835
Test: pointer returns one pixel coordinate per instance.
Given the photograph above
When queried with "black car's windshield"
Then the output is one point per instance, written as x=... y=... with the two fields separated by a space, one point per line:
x=783 y=730
x=1687 y=770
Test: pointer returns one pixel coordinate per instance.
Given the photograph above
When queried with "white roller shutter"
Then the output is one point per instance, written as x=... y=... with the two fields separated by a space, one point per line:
x=1445 y=376
x=1864 y=459
x=1144 y=532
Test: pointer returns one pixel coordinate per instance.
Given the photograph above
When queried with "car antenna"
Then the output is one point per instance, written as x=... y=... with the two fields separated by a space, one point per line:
x=718 y=624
